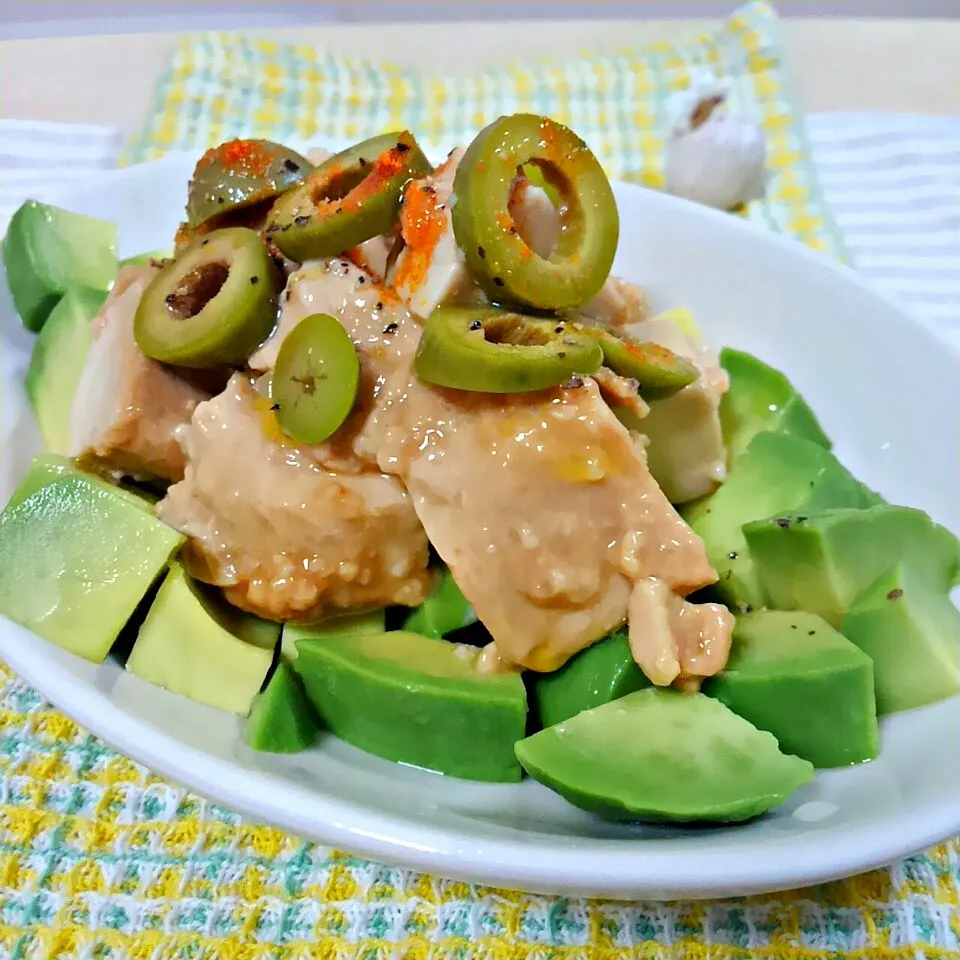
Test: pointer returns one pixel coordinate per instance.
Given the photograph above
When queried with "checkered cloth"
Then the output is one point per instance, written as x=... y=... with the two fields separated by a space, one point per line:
x=99 y=858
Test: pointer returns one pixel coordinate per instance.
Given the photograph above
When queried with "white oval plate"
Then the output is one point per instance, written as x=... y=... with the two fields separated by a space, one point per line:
x=883 y=388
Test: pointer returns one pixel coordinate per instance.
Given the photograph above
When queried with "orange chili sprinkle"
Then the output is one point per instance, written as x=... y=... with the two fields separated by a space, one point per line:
x=422 y=224
x=252 y=155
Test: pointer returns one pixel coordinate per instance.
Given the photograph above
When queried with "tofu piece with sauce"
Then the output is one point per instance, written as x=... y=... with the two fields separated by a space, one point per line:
x=287 y=536
x=544 y=510
x=128 y=407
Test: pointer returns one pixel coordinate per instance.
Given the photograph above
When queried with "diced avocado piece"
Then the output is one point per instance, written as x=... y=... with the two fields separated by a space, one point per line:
x=661 y=755
x=345 y=625
x=775 y=473
x=142 y=259
x=684 y=320
x=911 y=630
x=793 y=675
x=281 y=719
x=186 y=647
x=47 y=250
x=446 y=609
x=44 y=469
x=821 y=562
x=76 y=556
x=57 y=362
x=603 y=672
x=762 y=398
x=417 y=700
x=47 y=467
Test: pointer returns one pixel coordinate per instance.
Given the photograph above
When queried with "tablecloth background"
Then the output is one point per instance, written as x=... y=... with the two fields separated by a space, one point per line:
x=100 y=858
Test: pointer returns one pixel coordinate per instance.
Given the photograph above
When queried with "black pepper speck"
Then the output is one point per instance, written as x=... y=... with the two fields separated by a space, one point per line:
x=291 y=166
x=403 y=147
x=732 y=555
x=254 y=280
x=782 y=522
x=481 y=253
x=302 y=219
x=390 y=328
x=895 y=594
x=476 y=325
x=498 y=281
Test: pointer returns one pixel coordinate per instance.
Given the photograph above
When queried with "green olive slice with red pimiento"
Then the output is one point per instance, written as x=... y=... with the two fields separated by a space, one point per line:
x=315 y=378
x=500 y=259
x=353 y=196
x=212 y=305
x=241 y=173
x=487 y=350
x=659 y=372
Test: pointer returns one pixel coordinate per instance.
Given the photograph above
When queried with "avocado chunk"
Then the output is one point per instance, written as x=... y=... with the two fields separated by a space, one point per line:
x=418 y=701
x=684 y=320
x=762 y=398
x=281 y=719
x=186 y=645
x=76 y=557
x=445 y=610
x=57 y=362
x=44 y=469
x=793 y=675
x=47 y=250
x=776 y=472
x=344 y=625
x=910 y=629
x=603 y=672
x=661 y=755
x=822 y=562
x=142 y=259
x=47 y=467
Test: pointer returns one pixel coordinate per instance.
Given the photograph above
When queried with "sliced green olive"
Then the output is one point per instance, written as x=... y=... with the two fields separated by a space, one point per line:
x=503 y=263
x=241 y=173
x=495 y=351
x=314 y=384
x=353 y=196
x=659 y=372
x=212 y=305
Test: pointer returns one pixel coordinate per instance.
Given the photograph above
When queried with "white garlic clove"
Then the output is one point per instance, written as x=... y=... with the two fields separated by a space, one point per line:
x=721 y=163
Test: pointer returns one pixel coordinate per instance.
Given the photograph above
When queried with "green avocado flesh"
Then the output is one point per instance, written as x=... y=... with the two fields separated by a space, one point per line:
x=821 y=562
x=775 y=473
x=142 y=259
x=76 y=557
x=662 y=755
x=48 y=250
x=792 y=674
x=345 y=625
x=911 y=630
x=603 y=672
x=446 y=609
x=185 y=646
x=418 y=701
x=57 y=362
x=47 y=467
x=281 y=719
x=762 y=398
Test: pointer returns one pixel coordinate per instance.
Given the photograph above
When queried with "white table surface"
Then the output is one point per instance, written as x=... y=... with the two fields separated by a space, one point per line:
x=856 y=64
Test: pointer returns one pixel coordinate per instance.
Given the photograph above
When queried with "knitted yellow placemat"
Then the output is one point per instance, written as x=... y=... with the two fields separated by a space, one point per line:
x=101 y=859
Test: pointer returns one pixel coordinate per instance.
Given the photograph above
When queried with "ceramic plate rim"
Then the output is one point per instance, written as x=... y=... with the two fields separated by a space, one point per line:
x=698 y=873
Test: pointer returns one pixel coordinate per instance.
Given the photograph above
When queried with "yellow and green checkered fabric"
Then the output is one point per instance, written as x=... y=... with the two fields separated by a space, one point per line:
x=101 y=859
x=221 y=86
